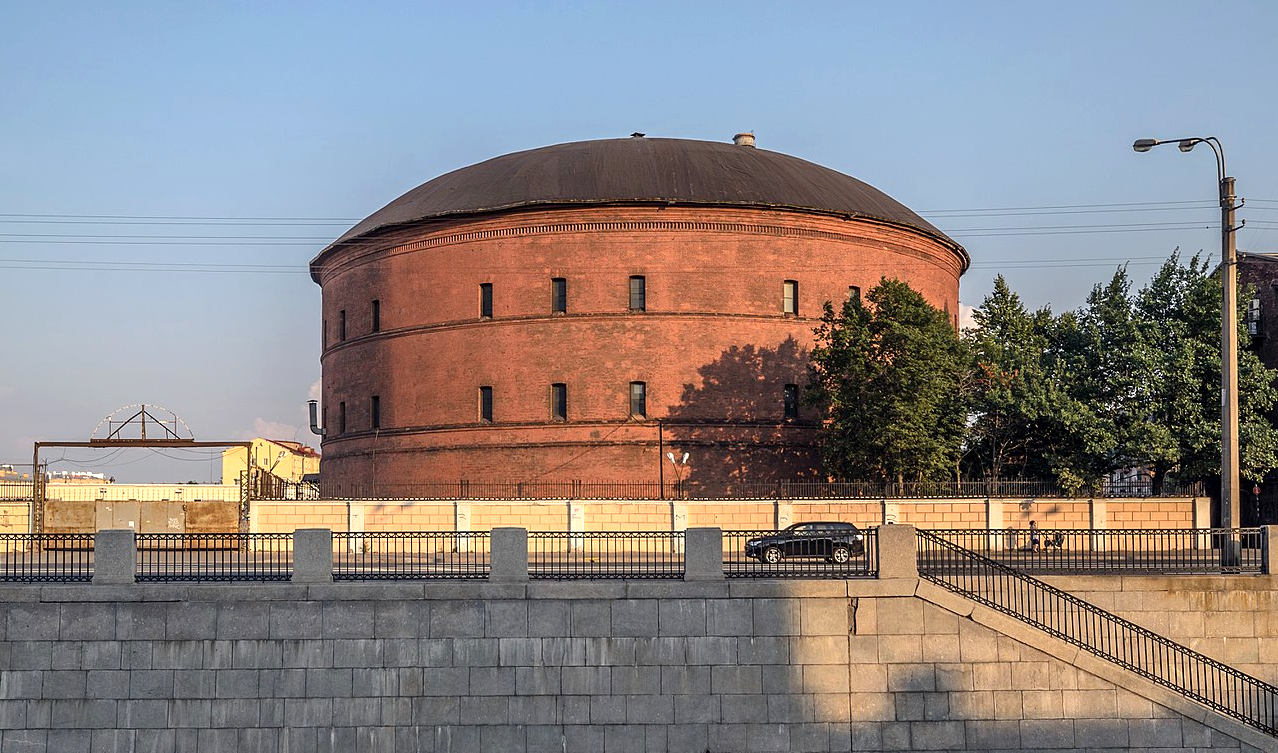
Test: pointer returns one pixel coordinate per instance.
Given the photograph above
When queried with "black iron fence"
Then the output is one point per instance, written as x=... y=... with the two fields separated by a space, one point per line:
x=278 y=489
x=214 y=556
x=772 y=554
x=267 y=486
x=411 y=555
x=980 y=489
x=46 y=557
x=1165 y=662
x=481 y=490
x=1082 y=551
x=628 y=554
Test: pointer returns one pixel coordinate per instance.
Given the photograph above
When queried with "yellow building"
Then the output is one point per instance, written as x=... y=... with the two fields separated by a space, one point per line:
x=286 y=460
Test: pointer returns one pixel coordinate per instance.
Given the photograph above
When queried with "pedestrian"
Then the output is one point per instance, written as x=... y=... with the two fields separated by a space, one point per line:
x=1034 y=537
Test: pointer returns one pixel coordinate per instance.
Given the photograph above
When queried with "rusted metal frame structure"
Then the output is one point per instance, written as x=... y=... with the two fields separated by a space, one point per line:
x=38 y=482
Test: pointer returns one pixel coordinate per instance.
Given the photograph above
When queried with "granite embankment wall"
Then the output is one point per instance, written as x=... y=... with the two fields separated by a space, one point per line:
x=729 y=666
x=1233 y=619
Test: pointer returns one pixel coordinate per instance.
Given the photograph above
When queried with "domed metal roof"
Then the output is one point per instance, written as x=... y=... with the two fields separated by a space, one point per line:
x=641 y=170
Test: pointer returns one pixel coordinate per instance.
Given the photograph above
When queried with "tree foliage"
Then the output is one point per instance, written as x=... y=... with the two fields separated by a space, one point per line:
x=1128 y=381
x=1014 y=400
x=888 y=370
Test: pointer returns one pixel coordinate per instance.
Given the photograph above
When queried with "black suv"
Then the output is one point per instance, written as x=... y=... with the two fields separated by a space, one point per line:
x=833 y=541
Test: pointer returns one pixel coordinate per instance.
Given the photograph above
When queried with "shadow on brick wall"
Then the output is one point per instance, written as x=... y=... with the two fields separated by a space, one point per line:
x=733 y=423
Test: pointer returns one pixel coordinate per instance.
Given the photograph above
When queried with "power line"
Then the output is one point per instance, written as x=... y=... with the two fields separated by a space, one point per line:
x=176 y=217
x=171 y=237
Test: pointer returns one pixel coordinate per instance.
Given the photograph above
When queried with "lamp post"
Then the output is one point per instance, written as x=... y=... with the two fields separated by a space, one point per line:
x=679 y=465
x=1230 y=506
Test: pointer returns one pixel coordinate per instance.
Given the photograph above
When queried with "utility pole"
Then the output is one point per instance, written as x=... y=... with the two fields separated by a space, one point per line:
x=1230 y=505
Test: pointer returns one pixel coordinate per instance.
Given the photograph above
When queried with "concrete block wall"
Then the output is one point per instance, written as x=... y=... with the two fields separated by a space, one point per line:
x=15 y=517
x=652 y=515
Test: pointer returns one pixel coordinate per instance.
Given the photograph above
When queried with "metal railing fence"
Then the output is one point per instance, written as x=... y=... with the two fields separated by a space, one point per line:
x=978 y=489
x=1083 y=551
x=278 y=489
x=46 y=557
x=799 y=561
x=1165 y=662
x=16 y=491
x=629 y=554
x=481 y=490
x=410 y=555
x=214 y=557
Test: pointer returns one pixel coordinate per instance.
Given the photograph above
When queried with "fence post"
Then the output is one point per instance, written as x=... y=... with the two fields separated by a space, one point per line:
x=993 y=523
x=115 y=556
x=898 y=552
x=703 y=554
x=313 y=555
x=1202 y=520
x=508 y=555
x=1269 y=549
x=1098 y=512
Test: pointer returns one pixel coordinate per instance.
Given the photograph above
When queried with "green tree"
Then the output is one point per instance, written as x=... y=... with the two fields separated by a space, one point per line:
x=1013 y=402
x=1094 y=359
x=1175 y=323
x=1179 y=312
x=888 y=372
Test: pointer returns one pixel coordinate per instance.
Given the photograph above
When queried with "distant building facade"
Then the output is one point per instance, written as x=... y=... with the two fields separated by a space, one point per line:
x=1258 y=273
x=576 y=311
x=290 y=461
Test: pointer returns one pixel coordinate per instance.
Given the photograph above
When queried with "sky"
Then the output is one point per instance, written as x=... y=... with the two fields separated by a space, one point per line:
x=168 y=169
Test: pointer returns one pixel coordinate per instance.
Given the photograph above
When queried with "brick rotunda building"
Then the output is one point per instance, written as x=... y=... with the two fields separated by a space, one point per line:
x=574 y=312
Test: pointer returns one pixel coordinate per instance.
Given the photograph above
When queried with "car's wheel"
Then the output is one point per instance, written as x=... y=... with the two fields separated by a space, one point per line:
x=772 y=555
x=841 y=554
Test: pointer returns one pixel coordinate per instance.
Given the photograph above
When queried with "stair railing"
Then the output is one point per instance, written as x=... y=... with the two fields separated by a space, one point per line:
x=1080 y=623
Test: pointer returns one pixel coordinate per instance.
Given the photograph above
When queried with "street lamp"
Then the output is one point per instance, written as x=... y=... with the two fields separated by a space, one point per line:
x=679 y=466
x=1229 y=498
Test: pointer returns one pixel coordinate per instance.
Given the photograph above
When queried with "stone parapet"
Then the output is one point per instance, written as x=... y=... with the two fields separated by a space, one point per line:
x=312 y=555
x=114 y=557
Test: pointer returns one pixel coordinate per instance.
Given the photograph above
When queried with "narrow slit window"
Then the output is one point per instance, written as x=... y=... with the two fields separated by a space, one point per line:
x=790 y=297
x=377 y=315
x=324 y=334
x=558 y=295
x=486 y=404
x=486 y=300
x=341 y=325
x=341 y=417
x=854 y=293
x=377 y=411
x=792 y=401
x=638 y=293
x=639 y=399
x=559 y=402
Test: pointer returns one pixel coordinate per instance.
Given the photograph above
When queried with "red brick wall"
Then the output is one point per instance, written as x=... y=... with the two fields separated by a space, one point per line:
x=713 y=345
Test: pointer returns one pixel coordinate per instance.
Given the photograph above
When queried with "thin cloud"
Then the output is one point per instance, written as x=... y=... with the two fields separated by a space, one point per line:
x=271 y=430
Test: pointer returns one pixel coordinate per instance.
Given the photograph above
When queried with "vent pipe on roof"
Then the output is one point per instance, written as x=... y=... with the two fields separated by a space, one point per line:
x=743 y=139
